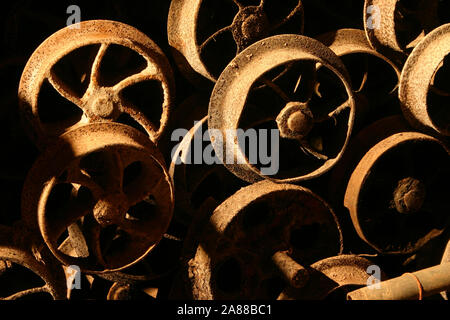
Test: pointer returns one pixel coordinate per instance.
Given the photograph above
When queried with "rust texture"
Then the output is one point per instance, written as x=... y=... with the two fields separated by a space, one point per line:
x=95 y=170
x=294 y=120
x=332 y=277
x=100 y=100
x=405 y=204
x=249 y=24
x=304 y=155
x=409 y=286
x=260 y=224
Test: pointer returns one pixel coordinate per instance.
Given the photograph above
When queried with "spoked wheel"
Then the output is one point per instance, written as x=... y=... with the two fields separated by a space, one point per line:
x=198 y=48
x=25 y=274
x=104 y=186
x=292 y=85
x=258 y=240
x=91 y=74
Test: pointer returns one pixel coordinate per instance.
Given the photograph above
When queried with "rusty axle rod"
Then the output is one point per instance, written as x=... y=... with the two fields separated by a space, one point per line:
x=409 y=286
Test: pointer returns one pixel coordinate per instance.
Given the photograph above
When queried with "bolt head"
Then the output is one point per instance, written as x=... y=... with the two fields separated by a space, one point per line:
x=295 y=121
x=110 y=209
x=409 y=195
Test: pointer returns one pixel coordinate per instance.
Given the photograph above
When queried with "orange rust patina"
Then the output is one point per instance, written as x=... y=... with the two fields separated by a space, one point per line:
x=103 y=173
x=98 y=102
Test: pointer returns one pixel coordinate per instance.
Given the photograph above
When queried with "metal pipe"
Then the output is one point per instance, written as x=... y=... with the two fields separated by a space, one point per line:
x=409 y=286
x=296 y=275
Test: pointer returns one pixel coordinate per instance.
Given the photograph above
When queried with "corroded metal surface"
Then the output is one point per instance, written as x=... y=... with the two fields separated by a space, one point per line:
x=102 y=194
x=417 y=80
x=249 y=25
x=262 y=223
x=99 y=101
x=17 y=255
x=331 y=278
x=395 y=194
x=346 y=42
x=409 y=286
x=228 y=101
x=394 y=26
x=95 y=205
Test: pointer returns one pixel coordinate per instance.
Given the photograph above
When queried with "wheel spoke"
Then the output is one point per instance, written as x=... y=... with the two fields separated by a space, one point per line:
x=63 y=90
x=149 y=73
x=365 y=76
x=141 y=229
x=310 y=150
x=333 y=114
x=91 y=231
x=66 y=216
x=298 y=8
x=143 y=187
x=114 y=173
x=237 y=3
x=213 y=37
x=95 y=70
x=276 y=88
x=439 y=92
x=136 y=114
x=78 y=177
x=306 y=82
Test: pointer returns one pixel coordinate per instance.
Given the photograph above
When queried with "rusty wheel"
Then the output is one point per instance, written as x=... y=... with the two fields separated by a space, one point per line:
x=200 y=49
x=105 y=186
x=311 y=105
x=394 y=27
x=332 y=278
x=397 y=193
x=255 y=237
x=372 y=74
x=21 y=267
x=424 y=92
x=201 y=183
x=91 y=74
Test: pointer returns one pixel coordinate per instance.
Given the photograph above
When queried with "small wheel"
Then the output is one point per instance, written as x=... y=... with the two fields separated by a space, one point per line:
x=394 y=27
x=261 y=224
x=310 y=104
x=424 y=92
x=31 y=274
x=200 y=49
x=91 y=74
x=332 y=278
x=397 y=193
x=105 y=185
